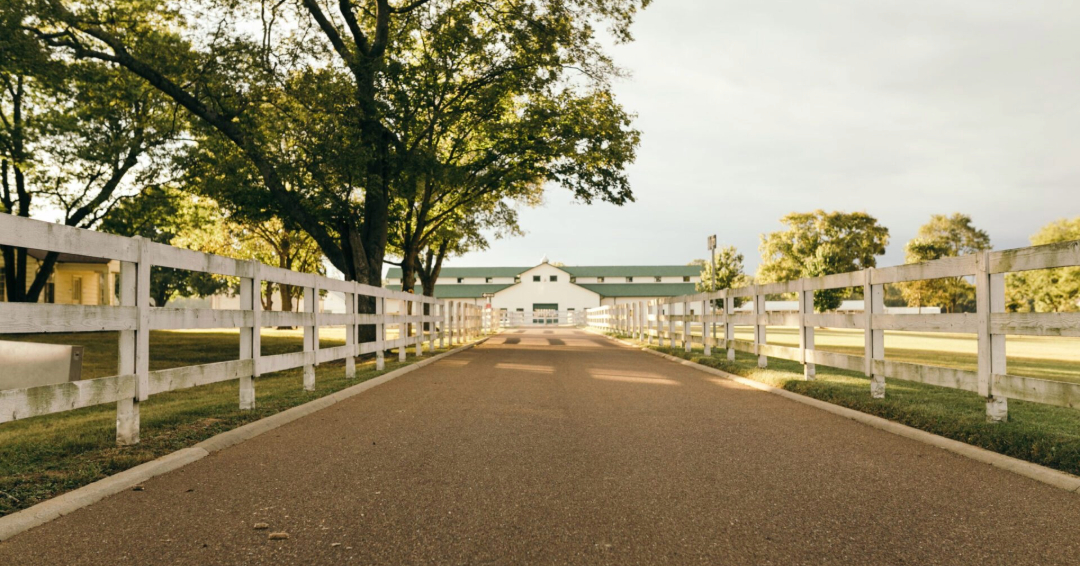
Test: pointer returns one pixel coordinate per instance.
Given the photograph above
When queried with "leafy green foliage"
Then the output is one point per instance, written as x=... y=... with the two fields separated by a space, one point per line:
x=164 y=215
x=944 y=236
x=74 y=135
x=349 y=115
x=1047 y=290
x=821 y=243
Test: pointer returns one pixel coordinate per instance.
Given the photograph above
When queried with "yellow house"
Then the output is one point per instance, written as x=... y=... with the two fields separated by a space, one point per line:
x=76 y=279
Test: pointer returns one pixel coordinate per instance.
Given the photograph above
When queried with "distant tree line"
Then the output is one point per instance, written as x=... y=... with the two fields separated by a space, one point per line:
x=824 y=243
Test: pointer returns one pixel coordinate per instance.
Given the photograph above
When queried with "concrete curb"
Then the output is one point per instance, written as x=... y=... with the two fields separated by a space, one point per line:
x=61 y=505
x=1024 y=468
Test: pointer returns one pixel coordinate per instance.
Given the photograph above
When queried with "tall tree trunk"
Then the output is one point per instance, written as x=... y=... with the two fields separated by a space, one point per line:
x=268 y=296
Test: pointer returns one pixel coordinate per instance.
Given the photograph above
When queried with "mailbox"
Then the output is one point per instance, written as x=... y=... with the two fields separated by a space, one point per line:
x=30 y=364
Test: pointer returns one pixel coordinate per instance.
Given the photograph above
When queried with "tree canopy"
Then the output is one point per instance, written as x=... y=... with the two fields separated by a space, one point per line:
x=944 y=236
x=1047 y=290
x=821 y=243
x=342 y=113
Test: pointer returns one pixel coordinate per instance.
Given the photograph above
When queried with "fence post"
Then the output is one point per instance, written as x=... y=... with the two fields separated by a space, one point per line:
x=729 y=326
x=806 y=333
x=431 y=324
x=989 y=299
x=380 y=333
x=646 y=323
x=351 y=302
x=706 y=331
x=873 y=303
x=249 y=298
x=419 y=328
x=687 y=341
x=311 y=334
x=760 y=322
x=403 y=330
x=441 y=320
x=449 y=322
x=127 y=410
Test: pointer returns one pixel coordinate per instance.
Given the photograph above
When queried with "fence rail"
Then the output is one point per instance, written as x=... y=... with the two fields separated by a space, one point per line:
x=417 y=319
x=670 y=320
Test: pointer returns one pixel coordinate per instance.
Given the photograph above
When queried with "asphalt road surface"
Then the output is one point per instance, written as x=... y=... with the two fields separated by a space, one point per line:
x=560 y=447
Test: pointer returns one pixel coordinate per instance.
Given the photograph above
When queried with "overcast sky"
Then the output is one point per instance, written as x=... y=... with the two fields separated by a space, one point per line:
x=752 y=109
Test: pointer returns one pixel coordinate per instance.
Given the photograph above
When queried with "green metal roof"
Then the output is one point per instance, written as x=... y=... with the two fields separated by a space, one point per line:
x=462 y=291
x=632 y=270
x=395 y=272
x=574 y=270
x=640 y=289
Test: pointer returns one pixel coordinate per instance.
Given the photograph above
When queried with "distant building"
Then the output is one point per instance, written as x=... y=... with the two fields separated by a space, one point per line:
x=551 y=287
x=75 y=280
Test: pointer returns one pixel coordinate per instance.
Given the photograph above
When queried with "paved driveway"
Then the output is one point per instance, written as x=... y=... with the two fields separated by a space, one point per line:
x=557 y=446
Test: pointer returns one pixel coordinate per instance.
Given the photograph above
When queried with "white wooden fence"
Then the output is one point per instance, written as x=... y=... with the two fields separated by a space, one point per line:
x=446 y=321
x=517 y=319
x=669 y=321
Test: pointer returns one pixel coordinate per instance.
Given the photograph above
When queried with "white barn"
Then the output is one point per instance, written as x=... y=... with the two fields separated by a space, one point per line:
x=565 y=288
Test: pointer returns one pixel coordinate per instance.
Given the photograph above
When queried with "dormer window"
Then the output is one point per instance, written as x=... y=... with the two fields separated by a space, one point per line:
x=487 y=280
x=659 y=279
x=460 y=279
x=629 y=279
x=599 y=279
x=686 y=278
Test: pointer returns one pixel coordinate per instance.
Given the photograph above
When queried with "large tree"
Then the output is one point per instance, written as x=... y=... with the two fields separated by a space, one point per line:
x=74 y=138
x=1048 y=290
x=821 y=243
x=312 y=100
x=944 y=236
x=728 y=273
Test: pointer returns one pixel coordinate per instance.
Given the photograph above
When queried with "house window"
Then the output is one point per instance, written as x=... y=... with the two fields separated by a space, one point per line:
x=3 y=288
x=517 y=279
x=554 y=278
x=487 y=280
x=659 y=279
x=50 y=292
x=599 y=279
x=460 y=279
x=629 y=279
x=536 y=278
x=76 y=290
x=686 y=278
x=573 y=279
x=521 y=310
x=101 y=289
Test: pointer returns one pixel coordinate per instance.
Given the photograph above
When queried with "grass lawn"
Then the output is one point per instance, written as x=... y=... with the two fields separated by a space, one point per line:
x=1046 y=357
x=1043 y=434
x=45 y=456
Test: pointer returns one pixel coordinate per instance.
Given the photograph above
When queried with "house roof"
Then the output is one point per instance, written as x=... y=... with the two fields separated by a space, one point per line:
x=574 y=270
x=462 y=291
x=640 y=289
x=632 y=270
x=395 y=272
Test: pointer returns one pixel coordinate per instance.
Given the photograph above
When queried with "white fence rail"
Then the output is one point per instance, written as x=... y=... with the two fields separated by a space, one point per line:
x=134 y=318
x=669 y=321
